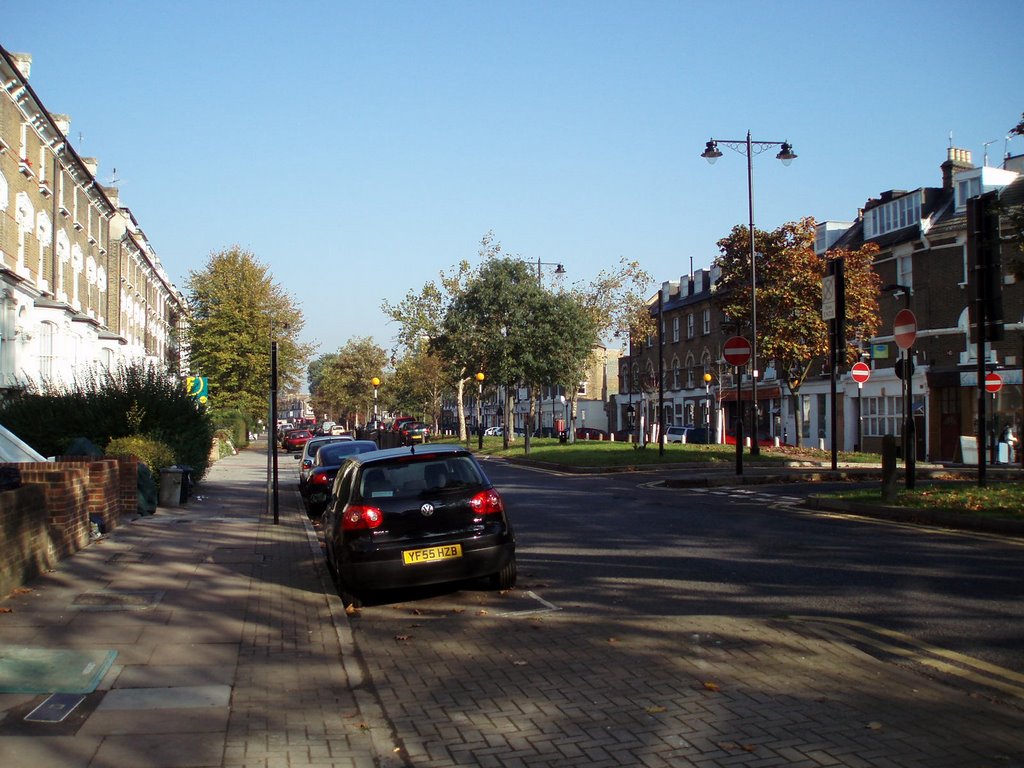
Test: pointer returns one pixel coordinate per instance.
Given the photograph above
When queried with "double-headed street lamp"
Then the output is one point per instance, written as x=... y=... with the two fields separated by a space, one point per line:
x=749 y=148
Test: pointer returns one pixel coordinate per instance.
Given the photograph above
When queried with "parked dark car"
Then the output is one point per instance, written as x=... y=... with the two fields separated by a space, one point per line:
x=589 y=433
x=416 y=516
x=296 y=439
x=308 y=456
x=399 y=422
x=325 y=466
x=415 y=432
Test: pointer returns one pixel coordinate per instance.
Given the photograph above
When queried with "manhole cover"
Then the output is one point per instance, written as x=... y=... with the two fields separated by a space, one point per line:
x=118 y=601
x=128 y=557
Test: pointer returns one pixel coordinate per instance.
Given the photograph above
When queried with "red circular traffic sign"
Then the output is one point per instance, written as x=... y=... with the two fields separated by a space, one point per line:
x=736 y=351
x=904 y=329
x=993 y=382
x=860 y=372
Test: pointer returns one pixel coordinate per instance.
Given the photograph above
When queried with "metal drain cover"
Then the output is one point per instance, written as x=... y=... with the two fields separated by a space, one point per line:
x=120 y=600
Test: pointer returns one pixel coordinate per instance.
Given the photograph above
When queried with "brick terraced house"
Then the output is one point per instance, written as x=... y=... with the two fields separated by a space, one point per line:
x=922 y=236
x=80 y=285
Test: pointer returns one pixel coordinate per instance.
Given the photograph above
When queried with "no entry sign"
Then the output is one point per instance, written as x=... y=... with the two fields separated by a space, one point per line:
x=993 y=382
x=904 y=329
x=860 y=372
x=736 y=351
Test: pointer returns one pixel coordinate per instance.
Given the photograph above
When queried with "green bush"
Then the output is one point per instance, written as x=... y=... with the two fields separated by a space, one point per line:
x=235 y=424
x=153 y=453
x=225 y=444
x=137 y=399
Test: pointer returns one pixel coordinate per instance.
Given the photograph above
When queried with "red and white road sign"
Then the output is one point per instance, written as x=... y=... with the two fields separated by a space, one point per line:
x=904 y=329
x=860 y=372
x=993 y=382
x=736 y=351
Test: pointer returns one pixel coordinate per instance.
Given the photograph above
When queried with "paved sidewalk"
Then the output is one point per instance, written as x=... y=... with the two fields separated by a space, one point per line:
x=230 y=650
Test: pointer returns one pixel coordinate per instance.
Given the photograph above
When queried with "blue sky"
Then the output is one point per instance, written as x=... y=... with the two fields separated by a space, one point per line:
x=358 y=149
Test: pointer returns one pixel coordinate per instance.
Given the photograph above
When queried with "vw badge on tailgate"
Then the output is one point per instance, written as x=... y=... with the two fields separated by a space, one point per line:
x=427 y=510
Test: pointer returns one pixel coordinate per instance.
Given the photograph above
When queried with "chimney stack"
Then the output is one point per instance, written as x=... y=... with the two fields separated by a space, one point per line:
x=63 y=123
x=956 y=160
x=23 y=61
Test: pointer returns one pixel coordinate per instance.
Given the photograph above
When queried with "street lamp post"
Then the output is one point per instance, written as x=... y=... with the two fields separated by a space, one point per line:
x=559 y=270
x=479 y=404
x=749 y=148
x=707 y=408
x=273 y=435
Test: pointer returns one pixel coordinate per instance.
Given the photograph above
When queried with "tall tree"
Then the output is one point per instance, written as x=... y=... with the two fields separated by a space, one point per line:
x=340 y=383
x=618 y=303
x=488 y=326
x=236 y=309
x=420 y=318
x=418 y=385
x=565 y=333
x=790 y=331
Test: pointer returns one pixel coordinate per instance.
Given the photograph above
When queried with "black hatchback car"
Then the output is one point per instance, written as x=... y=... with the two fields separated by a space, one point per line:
x=405 y=517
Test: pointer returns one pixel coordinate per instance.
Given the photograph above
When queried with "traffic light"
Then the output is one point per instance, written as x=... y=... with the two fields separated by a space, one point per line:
x=902 y=366
x=984 y=267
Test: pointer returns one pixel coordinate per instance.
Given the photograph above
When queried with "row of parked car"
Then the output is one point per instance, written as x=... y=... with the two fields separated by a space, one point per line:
x=404 y=517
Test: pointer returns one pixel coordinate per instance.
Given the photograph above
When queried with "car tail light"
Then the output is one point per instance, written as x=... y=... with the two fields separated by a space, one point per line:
x=361 y=517
x=319 y=478
x=487 y=503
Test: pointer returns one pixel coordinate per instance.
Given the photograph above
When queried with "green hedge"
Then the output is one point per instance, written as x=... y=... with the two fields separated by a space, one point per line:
x=153 y=453
x=235 y=424
x=137 y=399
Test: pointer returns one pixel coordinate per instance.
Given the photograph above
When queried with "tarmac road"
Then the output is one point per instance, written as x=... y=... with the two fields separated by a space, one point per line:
x=630 y=644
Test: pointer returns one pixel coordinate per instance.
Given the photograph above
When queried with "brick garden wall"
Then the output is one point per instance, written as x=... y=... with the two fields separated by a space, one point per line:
x=26 y=549
x=48 y=518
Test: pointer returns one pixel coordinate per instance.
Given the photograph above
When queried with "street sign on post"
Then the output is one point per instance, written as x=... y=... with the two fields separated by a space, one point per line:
x=860 y=372
x=904 y=329
x=993 y=382
x=736 y=351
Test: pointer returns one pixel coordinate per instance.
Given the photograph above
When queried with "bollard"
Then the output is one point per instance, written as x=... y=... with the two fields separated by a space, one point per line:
x=889 y=469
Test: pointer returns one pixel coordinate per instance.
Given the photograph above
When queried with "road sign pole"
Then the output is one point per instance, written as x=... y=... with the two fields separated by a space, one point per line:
x=909 y=439
x=739 y=424
x=860 y=417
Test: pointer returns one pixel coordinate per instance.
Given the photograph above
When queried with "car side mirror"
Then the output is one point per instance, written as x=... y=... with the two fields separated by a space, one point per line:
x=297 y=456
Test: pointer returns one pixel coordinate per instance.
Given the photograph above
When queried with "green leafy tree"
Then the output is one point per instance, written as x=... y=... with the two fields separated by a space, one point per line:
x=488 y=326
x=236 y=309
x=790 y=330
x=421 y=315
x=417 y=385
x=564 y=335
x=340 y=384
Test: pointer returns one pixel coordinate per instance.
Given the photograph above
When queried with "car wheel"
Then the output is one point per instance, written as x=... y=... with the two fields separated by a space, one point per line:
x=505 y=578
x=348 y=597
